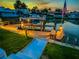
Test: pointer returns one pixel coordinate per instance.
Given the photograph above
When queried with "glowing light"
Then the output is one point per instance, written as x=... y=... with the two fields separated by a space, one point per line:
x=60 y=33
x=28 y=20
x=61 y=28
x=22 y=24
x=53 y=32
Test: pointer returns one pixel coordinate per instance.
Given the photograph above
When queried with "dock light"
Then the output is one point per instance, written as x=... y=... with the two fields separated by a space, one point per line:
x=22 y=24
x=61 y=28
x=20 y=19
x=60 y=33
x=28 y=20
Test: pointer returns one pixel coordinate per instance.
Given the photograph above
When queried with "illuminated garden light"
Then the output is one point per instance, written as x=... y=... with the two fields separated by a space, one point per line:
x=28 y=20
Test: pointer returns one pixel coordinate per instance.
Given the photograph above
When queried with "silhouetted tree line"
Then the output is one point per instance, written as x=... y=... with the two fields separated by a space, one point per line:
x=46 y=11
x=19 y=5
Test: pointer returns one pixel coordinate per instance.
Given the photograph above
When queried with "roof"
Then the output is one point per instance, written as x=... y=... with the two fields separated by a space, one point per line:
x=37 y=17
x=9 y=15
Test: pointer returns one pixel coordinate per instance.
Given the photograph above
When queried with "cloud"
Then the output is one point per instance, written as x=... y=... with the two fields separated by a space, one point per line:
x=71 y=4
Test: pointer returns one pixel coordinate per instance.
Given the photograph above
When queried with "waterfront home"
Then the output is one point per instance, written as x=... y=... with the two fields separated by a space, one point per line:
x=12 y=16
x=74 y=15
x=7 y=13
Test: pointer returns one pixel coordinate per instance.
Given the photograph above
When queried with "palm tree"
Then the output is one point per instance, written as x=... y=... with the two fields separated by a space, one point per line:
x=34 y=9
x=17 y=5
x=44 y=11
x=23 y=6
x=49 y=10
x=44 y=22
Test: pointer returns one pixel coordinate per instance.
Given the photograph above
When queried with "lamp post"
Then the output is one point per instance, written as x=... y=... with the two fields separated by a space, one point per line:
x=55 y=23
x=20 y=19
x=26 y=30
x=28 y=20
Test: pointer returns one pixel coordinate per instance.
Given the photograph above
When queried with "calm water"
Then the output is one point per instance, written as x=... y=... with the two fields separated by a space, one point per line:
x=71 y=32
x=69 y=29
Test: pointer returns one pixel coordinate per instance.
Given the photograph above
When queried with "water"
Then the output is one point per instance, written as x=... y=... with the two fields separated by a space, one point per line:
x=71 y=31
x=69 y=28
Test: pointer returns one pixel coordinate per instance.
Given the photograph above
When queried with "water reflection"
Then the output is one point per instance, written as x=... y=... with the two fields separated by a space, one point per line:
x=71 y=32
x=70 y=29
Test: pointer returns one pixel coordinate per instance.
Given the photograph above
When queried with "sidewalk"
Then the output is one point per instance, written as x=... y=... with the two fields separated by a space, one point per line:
x=38 y=34
x=30 y=33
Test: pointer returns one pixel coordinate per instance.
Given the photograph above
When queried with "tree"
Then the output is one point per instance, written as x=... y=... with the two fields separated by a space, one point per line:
x=20 y=8
x=17 y=5
x=58 y=10
x=44 y=25
x=44 y=11
x=23 y=6
x=49 y=9
x=34 y=9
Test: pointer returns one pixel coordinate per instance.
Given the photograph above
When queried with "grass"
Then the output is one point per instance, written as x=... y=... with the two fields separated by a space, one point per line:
x=12 y=42
x=54 y=51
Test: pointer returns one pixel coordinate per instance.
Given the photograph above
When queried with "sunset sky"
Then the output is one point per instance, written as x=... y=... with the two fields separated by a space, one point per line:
x=71 y=4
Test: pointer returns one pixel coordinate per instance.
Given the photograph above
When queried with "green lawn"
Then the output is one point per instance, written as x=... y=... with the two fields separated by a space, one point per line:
x=12 y=42
x=54 y=51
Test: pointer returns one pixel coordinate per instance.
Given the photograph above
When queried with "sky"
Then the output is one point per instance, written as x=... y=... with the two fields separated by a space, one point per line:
x=71 y=4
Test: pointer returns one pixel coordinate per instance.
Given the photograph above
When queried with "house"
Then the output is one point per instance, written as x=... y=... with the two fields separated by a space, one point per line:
x=12 y=15
x=73 y=15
